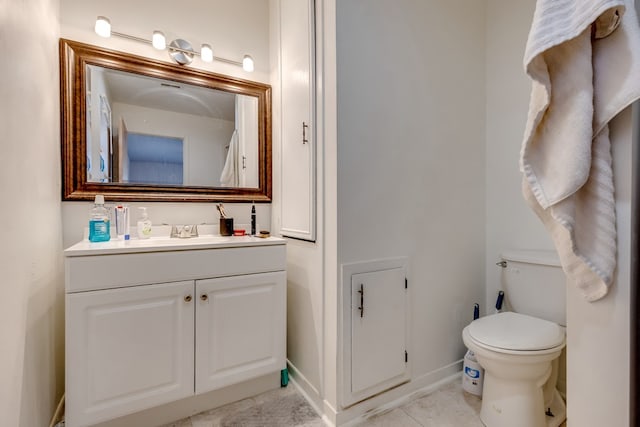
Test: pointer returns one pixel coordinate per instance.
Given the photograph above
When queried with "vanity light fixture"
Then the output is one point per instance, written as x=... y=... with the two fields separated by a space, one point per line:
x=103 y=27
x=158 y=40
x=247 y=63
x=206 y=53
x=180 y=50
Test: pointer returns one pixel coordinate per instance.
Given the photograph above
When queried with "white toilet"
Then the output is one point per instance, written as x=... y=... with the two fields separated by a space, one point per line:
x=519 y=350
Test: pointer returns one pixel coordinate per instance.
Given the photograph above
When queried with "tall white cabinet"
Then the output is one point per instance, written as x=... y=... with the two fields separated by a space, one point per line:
x=298 y=166
x=370 y=339
x=137 y=336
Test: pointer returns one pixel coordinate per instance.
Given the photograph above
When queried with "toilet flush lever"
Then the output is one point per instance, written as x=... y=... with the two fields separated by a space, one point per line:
x=502 y=264
x=361 y=292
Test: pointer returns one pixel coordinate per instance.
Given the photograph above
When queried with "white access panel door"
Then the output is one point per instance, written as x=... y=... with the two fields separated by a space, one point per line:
x=378 y=332
x=240 y=328
x=298 y=128
x=132 y=349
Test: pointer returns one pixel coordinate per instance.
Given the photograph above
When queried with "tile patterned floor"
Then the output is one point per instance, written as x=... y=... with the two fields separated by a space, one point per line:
x=448 y=406
x=277 y=408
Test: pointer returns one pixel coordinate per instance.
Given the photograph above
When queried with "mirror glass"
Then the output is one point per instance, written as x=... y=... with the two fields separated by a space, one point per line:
x=146 y=130
x=139 y=129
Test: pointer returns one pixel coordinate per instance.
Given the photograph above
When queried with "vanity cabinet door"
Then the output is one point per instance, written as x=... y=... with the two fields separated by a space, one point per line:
x=128 y=349
x=240 y=328
x=298 y=170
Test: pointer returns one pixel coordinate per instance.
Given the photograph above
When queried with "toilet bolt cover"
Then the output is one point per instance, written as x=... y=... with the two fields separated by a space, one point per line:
x=514 y=331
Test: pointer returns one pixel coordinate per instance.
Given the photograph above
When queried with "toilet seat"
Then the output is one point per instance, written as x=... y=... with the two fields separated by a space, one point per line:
x=515 y=333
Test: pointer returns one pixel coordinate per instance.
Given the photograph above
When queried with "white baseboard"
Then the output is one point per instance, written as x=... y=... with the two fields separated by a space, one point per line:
x=384 y=401
x=308 y=390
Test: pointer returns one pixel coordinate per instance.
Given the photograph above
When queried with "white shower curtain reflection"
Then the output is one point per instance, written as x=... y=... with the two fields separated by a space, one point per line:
x=230 y=176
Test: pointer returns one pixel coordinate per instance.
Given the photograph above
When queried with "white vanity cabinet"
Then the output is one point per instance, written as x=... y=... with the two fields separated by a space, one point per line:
x=127 y=349
x=135 y=341
x=255 y=307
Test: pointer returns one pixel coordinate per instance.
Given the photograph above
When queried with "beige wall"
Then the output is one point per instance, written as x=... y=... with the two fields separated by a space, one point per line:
x=411 y=129
x=510 y=222
x=597 y=333
x=31 y=307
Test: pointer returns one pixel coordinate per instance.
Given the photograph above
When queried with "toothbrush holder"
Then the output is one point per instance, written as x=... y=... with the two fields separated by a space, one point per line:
x=226 y=226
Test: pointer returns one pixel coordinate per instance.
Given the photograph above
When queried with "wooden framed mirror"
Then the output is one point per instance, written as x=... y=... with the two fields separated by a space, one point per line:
x=137 y=129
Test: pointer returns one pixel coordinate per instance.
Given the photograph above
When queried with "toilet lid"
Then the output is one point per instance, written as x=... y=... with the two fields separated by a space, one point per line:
x=514 y=331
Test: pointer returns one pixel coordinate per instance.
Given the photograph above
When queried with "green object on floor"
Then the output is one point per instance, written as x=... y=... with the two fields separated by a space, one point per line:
x=284 y=378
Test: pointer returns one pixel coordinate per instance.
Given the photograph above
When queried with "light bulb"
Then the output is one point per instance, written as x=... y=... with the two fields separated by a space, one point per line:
x=103 y=26
x=247 y=63
x=206 y=53
x=158 y=40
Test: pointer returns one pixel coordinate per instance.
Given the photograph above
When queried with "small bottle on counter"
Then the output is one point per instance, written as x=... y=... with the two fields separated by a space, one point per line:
x=99 y=223
x=144 y=224
x=253 y=219
x=122 y=222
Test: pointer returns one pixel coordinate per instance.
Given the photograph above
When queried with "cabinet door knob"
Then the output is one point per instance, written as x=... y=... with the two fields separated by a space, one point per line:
x=204 y=297
x=187 y=298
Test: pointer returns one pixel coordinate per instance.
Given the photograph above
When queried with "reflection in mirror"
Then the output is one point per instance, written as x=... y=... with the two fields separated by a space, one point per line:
x=138 y=129
x=154 y=131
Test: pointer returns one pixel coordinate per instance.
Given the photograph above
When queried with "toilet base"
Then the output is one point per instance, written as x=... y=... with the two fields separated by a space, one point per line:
x=519 y=405
x=558 y=409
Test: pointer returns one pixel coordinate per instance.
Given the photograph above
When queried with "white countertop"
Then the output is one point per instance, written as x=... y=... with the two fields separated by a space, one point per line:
x=164 y=244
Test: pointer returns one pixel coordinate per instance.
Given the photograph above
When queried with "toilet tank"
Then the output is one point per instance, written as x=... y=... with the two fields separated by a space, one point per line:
x=534 y=284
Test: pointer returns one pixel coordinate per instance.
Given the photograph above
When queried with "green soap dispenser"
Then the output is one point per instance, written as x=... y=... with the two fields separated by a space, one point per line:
x=144 y=224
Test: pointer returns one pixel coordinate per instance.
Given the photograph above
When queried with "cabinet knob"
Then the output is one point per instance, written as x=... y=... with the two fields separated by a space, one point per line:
x=187 y=298
x=204 y=297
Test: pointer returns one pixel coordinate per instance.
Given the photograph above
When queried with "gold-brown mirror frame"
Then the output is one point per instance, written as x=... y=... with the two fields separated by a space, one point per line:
x=74 y=58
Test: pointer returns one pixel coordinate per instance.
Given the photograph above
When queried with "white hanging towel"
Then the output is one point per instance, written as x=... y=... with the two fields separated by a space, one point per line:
x=583 y=57
x=230 y=176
